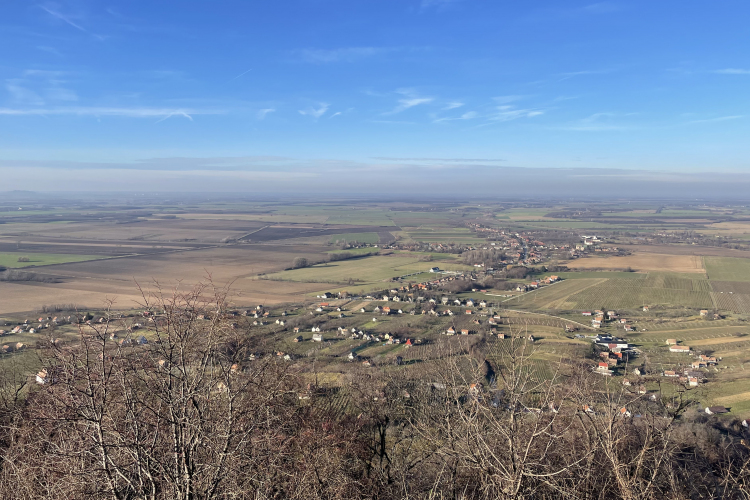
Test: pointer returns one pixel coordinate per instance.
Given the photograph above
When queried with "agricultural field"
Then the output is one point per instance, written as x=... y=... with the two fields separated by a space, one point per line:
x=358 y=237
x=11 y=259
x=643 y=262
x=632 y=292
x=364 y=271
x=727 y=269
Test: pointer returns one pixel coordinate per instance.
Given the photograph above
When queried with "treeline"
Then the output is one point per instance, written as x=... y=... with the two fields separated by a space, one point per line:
x=16 y=275
x=300 y=262
x=192 y=415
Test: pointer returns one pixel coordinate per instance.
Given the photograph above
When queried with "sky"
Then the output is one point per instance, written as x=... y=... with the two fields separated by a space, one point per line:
x=485 y=97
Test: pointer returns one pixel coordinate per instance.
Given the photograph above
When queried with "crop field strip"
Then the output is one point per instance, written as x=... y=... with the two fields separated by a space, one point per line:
x=727 y=268
x=619 y=293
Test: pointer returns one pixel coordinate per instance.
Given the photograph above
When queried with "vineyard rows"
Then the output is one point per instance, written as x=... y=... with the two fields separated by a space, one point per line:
x=735 y=302
x=731 y=287
x=615 y=296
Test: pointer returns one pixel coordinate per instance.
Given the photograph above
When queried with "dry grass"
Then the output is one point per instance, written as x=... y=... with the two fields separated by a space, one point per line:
x=643 y=262
x=734 y=398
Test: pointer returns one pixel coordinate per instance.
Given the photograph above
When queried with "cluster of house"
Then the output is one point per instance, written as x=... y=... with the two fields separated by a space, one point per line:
x=690 y=376
x=614 y=351
x=600 y=318
x=536 y=284
x=41 y=323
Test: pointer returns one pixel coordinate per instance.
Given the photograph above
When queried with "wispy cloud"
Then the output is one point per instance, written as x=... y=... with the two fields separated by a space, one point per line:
x=733 y=71
x=718 y=119
x=66 y=19
x=572 y=74
x=410 y=100
x=51 y=50
x=426 y=4
x=469 y=115
x=598 y=122
x=458 y=160
x=22 y=95
x=508 y=113
x=104 y=111
x=452 y=105
x=264 y=112
x=344 y=54
x=61 y=94
x=315 y=112
x=603 y=7
x=240 y=75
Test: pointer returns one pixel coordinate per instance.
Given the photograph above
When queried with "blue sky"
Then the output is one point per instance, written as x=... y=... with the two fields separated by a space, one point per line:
x=301 y=94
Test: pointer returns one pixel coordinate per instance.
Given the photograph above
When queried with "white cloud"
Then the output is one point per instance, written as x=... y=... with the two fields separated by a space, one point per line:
x=718 y=119
x=21 y=95
x=410 y=100
x=469 y=115
x=69 y=21
x=453 y=105
x=315 y=112
x=733 y=71
x=508 y=113
x=61 y=94
x=263 y=112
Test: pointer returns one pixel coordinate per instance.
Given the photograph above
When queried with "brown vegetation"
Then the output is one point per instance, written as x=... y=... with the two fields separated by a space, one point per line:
x=200 y=412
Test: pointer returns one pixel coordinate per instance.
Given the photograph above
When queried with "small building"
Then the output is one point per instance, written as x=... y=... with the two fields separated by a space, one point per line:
x=464 y=331
x=317 y=337
x=672 y=341
x=715 y=410
x=586 y=313
x=680 y=349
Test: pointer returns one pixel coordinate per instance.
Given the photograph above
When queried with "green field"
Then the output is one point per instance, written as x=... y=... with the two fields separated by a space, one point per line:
x=365 y=270
x=631 y=292
x=727 y=268
x=10 y=260
x=358 y=237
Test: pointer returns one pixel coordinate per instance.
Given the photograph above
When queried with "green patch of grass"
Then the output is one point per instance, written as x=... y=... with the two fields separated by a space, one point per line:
x=10 y=259
x=358 y=237
x=727 y=268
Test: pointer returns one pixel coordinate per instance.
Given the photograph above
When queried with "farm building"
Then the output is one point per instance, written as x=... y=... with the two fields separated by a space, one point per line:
x=672 y=341
x=680 y=349
x=715 y=410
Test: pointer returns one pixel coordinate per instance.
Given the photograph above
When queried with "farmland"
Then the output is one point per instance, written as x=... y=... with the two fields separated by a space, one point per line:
x=728 y=269
x=643 y=262
x=11 y=260
x=253 y=247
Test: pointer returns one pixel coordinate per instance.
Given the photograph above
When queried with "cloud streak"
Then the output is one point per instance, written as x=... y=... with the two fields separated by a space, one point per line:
x=344 y=54
x=69 y=21
x=315 y=112
x=732 y=71
x=718 y=119
x=163 y=113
